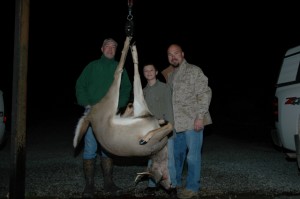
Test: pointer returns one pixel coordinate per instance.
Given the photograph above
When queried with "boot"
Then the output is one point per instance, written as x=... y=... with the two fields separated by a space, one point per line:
x=89 y=172
x=107 y=169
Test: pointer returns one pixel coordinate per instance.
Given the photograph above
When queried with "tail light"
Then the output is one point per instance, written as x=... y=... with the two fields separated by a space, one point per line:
x=275 y=109
x=4 y=119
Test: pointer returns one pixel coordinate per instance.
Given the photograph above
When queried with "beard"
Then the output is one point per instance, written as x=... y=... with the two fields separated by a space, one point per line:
x=175 y=65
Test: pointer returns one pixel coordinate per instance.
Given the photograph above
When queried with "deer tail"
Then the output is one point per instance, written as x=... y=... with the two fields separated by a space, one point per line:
x=81 y=128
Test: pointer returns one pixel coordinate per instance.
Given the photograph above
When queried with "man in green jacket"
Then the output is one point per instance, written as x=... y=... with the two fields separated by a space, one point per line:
x=91 y=87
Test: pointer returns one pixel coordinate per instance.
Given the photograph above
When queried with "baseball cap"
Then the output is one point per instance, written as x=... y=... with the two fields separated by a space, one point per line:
x=109 y=40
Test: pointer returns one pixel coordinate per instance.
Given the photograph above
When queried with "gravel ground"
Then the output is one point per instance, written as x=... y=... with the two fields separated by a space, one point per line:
x=232 y=167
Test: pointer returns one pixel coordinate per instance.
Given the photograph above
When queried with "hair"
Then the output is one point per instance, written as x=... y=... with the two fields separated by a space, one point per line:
x=150 y=63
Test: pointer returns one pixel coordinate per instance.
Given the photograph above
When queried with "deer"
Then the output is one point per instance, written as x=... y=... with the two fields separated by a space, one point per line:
x=136 y=132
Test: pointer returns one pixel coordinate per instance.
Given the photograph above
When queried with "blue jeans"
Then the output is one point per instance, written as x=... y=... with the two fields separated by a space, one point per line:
x=171 y=164
x=92 y=147
x=188 y=148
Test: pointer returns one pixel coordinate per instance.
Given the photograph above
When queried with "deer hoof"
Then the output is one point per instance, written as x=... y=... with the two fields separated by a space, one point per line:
x=142 y=142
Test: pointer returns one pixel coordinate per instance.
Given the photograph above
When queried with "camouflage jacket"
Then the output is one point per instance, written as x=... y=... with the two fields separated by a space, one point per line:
x=191 y=96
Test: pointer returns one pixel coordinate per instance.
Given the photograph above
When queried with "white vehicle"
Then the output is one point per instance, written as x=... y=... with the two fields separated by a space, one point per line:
x=2 y=119
x=287 y=105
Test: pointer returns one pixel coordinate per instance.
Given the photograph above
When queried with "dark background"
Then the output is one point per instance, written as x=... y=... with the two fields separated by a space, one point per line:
x=239 y=46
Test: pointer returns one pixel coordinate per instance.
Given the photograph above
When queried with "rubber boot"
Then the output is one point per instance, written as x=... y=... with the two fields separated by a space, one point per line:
x=89 y=172
x=107 y=169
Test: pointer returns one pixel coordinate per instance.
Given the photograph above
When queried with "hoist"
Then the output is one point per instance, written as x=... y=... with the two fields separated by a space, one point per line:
x=129 y=26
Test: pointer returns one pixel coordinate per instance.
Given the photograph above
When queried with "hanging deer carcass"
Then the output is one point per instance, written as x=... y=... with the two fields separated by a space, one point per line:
x=135 y=133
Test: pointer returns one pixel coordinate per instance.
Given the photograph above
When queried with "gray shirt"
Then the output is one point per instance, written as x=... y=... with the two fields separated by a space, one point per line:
x=159 y=100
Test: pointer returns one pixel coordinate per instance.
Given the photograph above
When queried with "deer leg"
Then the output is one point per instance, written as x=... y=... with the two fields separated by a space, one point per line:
x=158 y=133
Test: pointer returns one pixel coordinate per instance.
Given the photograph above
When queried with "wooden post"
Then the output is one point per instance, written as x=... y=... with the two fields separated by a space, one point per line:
x=19 y=99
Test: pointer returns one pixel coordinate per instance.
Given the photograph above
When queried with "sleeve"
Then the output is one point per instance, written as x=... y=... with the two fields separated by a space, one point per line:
x=203 y=94
x=125 y=90
x=168 y=104
x=81 y=87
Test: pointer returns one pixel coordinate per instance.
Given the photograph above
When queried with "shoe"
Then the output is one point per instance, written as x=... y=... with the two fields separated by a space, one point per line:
x=150 y=191
x=186 y=194
x=172 y=193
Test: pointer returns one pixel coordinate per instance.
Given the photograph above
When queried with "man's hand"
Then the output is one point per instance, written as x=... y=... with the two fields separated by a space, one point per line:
x=198 y=124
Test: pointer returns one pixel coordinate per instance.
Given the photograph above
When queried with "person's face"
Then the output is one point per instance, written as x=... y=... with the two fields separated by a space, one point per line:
x=175 y=55
x=109 y=50
x=149 y=72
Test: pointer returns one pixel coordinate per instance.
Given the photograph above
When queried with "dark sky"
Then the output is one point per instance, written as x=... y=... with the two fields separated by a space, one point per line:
x=239 y=46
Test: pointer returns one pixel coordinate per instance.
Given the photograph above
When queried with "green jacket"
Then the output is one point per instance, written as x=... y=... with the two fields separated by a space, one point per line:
x=95 y=80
